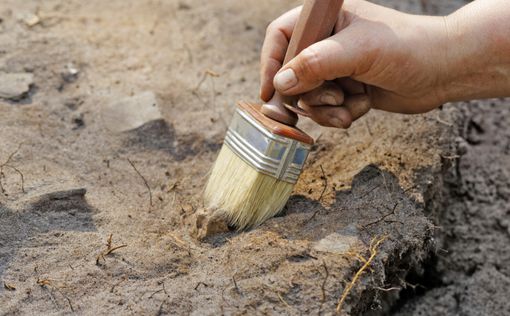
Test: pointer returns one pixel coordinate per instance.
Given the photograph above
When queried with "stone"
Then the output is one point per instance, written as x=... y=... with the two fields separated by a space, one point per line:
x=131 y=113
x=31 y=19
x=70 y=73
x=337 y=243
x=14 y=86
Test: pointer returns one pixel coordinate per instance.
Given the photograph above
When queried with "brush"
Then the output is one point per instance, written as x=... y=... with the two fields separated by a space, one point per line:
x=264 y=152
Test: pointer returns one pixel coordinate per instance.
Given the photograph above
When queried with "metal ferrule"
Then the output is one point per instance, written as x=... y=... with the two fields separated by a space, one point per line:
x=274 y=155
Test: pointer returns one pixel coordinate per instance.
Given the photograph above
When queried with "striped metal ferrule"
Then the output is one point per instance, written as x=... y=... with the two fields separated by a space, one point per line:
x=280 y=157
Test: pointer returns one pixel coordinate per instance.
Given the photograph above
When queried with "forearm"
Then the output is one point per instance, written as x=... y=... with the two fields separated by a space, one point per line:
x=477 y=53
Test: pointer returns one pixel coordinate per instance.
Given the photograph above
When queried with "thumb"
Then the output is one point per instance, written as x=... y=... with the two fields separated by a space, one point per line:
x=332 y=58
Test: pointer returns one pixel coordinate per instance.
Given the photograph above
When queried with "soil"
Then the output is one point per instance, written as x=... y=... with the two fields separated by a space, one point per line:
x=468 y=274
x=94 y=220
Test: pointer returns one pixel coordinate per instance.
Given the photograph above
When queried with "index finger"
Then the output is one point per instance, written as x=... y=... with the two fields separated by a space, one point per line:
x=275 y=45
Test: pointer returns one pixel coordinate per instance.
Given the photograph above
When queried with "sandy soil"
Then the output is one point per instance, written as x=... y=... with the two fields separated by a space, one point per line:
x=83 y=182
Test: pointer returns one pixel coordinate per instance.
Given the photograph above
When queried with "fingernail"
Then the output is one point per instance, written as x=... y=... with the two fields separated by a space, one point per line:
x=285 y=80
x=328 y=98
x=336 y=122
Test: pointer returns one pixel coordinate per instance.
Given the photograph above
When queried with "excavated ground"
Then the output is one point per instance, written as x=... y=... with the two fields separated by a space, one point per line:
x=468 y=274
x=76 y=171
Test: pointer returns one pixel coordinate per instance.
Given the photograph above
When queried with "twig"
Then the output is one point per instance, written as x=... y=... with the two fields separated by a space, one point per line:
x=195 y=93
x=283 y=301
x=144 y=180
x=368 y=192
x=235 y=285
x=438 y=119
x=113 y=249
x=6 y=164
x=209 y=74
x=413 y=286
x=374 y=245
x=322 y=193
x=109 y=249
x=394 y=288
x=2 y=190
x=323 y=285
x=206 y=73
x=410 y=188
x=21 y=176
x=160 y=290
x=45 y=283
x=12 y=154
x=223 y=298
x=394 y=221
x=392 y=212
x=117 y=284
x=109 y=241
x=68 y=301
x=325 y=183
x=200 y=283
x=356 y=255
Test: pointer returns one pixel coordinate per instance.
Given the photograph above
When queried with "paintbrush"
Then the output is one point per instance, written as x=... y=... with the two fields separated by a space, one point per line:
x=264 y=152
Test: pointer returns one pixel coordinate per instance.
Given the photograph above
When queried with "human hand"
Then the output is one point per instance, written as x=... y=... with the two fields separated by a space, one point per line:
x=377 y=58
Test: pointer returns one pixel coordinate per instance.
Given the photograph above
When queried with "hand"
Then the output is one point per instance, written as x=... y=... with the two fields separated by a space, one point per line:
x=378 y=58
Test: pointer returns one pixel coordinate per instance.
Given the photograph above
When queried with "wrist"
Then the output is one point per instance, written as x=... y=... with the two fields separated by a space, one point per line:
x=476 y=47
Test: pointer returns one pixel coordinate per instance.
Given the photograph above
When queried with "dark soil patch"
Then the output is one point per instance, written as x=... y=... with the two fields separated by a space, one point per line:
x=469 y=273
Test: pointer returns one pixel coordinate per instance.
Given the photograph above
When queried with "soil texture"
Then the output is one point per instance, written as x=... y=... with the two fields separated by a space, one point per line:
x=111 y=115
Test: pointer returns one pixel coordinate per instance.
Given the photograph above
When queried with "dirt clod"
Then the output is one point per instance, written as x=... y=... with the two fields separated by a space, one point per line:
x=14 y=86
x=207 y=223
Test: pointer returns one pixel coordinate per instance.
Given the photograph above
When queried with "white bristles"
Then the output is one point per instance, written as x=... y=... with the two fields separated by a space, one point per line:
x=246 y=196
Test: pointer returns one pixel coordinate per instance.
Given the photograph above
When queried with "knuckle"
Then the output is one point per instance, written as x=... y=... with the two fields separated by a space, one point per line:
x=310 y=64
x=271 y=28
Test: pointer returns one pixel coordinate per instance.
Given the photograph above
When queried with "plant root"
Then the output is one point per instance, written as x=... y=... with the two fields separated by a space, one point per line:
x=374 y=245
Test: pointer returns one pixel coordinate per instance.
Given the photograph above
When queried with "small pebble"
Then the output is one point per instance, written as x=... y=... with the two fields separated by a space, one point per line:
x=14 y=86
x=132 y=112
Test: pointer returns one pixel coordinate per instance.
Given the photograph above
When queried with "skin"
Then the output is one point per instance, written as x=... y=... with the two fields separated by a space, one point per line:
x=385 y=59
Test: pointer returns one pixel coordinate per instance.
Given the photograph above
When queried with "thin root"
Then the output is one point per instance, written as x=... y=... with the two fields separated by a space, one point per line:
x=374 y=245
x=109 y=249
x=144 y=181
x=8 y=165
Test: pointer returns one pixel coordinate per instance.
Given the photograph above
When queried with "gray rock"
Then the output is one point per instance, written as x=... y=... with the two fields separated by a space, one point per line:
x=130 y=113
x=13 y=86
x=70 y=73
x=339 y=243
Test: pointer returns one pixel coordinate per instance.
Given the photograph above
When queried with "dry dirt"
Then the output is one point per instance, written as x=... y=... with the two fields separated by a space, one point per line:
x=68 y=182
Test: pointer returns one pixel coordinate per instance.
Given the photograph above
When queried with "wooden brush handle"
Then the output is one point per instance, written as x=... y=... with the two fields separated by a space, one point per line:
x=316 y=22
